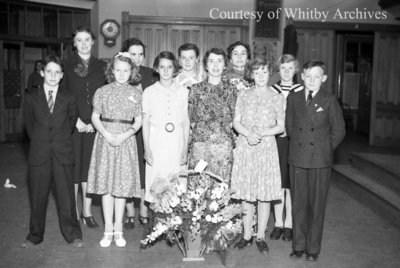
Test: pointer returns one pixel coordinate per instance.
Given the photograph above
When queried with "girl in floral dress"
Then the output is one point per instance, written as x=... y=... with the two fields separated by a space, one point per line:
x=165 y=123
x=259 y=116
x=114 y=167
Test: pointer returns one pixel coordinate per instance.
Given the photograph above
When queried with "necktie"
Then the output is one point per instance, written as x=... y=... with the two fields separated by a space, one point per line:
x=50 y=101
x=309 y=97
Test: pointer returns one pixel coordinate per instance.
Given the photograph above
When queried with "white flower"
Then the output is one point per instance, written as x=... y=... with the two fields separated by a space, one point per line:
x=213 y=206
x=214 y=220
x=208 y=218
x=194 y=219
x=176 y=220
x=174 y=201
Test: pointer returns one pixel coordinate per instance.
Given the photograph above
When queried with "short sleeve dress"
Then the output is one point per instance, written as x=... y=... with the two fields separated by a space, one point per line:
x=164 y=106
x=115 y=170
x=255 y=172
x=211 y=110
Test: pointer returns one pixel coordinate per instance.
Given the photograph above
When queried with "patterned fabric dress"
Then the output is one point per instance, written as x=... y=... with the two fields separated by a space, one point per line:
x=115 y=170
x=255 y=172
x=211 y=110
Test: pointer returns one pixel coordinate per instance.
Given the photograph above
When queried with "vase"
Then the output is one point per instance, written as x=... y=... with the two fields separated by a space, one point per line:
x=193 y=247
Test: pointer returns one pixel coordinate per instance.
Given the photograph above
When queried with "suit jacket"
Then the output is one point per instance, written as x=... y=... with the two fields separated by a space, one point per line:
x=50 y=132
x=314 y=130
x=84 y=85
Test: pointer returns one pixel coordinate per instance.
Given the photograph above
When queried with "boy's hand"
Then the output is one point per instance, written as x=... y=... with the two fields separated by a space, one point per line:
x=80 y=126
x=89 y=128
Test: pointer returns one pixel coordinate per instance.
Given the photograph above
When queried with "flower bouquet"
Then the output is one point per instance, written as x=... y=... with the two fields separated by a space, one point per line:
x=193 y=210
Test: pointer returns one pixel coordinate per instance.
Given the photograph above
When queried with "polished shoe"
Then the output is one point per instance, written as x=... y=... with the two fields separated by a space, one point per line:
x=287 y=234
x=262 y=246
x=77 y=243
x=107 y=239
x=89 y=221
x=243 y=242
x=311 y=257
x=296 y=254
x=28 y=244
x=129 y=222
x=276 y=233
x=143 y=220
x=119 y=239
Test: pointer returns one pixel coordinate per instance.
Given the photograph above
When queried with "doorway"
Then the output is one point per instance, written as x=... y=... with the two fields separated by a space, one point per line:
x=355 y=63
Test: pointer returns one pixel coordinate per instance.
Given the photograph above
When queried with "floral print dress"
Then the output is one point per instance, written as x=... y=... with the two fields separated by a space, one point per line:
x=115 y=170
x=211 y=111
x=255 y=172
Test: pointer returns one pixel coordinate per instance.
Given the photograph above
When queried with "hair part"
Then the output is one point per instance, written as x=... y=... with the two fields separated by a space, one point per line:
x=315 y=63
x=239 y=43
x=287 y=58
x=169 y=56
x=256 y=64
x=135 y=77
x=189 y=46
x=81 y=29
x=54 y=59
x=216 y=51
x=133 y=42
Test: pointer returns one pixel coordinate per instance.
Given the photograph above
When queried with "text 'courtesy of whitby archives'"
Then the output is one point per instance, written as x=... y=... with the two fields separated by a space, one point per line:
x=300 y=14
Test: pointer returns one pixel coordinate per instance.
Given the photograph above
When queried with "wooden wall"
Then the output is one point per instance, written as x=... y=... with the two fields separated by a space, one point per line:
x=385 y=108
x=168 y=33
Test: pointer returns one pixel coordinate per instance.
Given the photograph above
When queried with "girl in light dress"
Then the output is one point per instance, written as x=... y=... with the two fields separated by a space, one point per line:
x=114 y=166
x=165 y=123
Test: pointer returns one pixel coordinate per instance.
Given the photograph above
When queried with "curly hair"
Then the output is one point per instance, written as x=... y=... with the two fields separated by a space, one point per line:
x=169 y=56
x=256 y=64
x=135 y=76
x=133 y=42
x=217 y=51
x=238 y=43
x=81 y=29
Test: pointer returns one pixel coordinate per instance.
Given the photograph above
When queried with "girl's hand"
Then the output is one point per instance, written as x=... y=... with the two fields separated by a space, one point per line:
x=253 y=139
x=184 y=157
x=80 y=126
x=148 y=156
x=110 y=138
x=89 y=128
x=119 y=139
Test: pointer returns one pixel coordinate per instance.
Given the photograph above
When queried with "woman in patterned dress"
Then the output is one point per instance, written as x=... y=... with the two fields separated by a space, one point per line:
x=114 y=166
x=259 y=116
x=211 y=111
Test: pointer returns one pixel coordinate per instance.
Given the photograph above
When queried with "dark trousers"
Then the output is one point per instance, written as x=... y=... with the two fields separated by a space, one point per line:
x=40 y=179
x=309 y=190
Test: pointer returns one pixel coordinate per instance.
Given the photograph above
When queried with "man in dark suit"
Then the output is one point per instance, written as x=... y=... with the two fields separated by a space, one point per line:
x=50 y=117
x=315 y=126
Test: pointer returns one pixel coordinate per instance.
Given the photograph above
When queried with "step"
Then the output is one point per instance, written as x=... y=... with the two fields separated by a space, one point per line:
x=385 y=201
x=384 y=168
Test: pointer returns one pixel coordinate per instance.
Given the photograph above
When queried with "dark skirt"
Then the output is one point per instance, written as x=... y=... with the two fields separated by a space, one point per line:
x=83 y=146
x=283 y=151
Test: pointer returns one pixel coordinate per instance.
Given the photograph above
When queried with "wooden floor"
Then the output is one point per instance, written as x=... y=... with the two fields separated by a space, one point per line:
x=354 y=235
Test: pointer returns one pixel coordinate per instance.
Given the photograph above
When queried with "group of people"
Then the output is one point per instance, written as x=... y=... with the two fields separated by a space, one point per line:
x=272 y=144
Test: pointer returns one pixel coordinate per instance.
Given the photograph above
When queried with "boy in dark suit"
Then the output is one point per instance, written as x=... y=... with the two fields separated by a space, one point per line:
x=315 y=126
x=50 y=117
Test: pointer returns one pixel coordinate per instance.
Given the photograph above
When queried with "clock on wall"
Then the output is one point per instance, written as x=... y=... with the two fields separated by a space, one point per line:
x=110 y=30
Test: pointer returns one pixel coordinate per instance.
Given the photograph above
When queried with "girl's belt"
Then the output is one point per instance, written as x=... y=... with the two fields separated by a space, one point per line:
x=122 y=121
